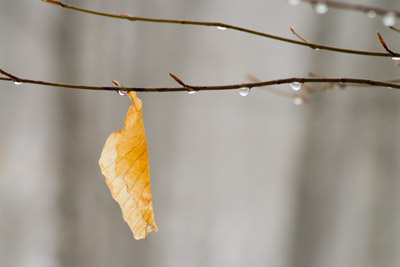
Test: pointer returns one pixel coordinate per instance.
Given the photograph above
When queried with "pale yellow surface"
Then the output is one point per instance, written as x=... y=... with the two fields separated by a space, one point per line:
x=125 y=164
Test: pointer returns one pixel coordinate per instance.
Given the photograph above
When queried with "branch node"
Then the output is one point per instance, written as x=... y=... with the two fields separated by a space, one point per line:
x=120 y=92
x=190 y=89
x=14 y=79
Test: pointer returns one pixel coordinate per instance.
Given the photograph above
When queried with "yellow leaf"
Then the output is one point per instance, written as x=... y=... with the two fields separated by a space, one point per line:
x=125 y=164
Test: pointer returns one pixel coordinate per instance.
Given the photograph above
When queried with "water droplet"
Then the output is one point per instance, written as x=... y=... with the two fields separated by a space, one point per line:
x=396 y=58
x=18 y=83
x=122 y=93
x=389 y=19
x=295 y=86
x=192 y=92
x=294 y=2
x=321 y=8
x=298 y=100
x=371 y=14
x=221 y=28
x=244 y=91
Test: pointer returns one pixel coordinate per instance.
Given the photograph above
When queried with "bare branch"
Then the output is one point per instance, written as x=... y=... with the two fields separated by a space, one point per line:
x=225 y=26
x=186 y=88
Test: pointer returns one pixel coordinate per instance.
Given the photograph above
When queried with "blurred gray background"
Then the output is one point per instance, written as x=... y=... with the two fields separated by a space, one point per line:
x=236 y=181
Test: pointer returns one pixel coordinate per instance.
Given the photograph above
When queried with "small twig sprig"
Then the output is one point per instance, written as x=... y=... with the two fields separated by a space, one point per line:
x=220 y=25
x=11 y=77
x=298 y=35
x=302 y=38
x=383 y=43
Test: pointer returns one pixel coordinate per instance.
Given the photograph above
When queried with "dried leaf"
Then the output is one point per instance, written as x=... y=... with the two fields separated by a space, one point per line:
x=125 y=164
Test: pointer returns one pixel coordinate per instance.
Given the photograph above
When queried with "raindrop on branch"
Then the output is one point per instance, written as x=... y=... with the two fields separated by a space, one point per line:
x=389 y=19
x=321 y=8
x=122 y=92
x=244 y=91
x=295 y=86
x=18 y=83
x=396 y=58
x=192 y=92
x=221 y=28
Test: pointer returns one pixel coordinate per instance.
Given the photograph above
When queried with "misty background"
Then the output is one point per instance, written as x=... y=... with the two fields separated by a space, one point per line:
x=236 y=181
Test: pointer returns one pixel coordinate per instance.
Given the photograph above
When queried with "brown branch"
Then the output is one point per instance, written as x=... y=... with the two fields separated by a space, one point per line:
x=354 y=7
x=221 y=26
x=177 y=79
x=274 y=90
x=190 y=88
x=394 y=29
x=383 y=43
x=9 y=75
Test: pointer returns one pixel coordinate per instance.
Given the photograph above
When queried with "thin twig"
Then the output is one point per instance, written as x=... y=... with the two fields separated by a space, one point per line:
x=187 y=87
x=12 y=77
x=184 y=85
x=394 y=29
x=354 y=7
x=298 y=35
x=221 y=25
x=177 y=79
x=383 y=43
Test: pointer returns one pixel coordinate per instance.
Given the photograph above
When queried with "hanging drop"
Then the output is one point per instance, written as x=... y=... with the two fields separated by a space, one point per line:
x=244 y=91
x=321 y=8
x=389 y=19
x=122 y=92
x=295 y=86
